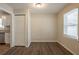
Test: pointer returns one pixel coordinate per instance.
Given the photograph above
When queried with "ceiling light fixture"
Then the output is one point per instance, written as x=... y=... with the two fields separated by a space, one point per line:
x=39 y=5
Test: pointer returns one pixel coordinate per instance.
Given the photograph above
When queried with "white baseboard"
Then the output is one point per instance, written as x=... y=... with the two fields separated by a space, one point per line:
x=66 y=48
x=44 y=41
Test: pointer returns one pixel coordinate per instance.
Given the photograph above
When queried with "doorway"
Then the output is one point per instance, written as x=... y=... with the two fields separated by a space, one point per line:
x=19 y=30
x=5 y=31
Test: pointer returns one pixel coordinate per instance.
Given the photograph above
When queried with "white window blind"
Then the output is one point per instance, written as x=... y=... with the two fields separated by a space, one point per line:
x=71 y=23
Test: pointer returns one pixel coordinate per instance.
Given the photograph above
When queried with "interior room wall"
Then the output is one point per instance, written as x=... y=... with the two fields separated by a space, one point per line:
x=19 y=11
x=69 y=43
x=6 y=8
x=44 y=27
x=29 y=27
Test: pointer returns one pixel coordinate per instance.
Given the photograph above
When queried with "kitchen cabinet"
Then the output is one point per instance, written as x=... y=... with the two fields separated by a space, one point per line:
x=2 y=37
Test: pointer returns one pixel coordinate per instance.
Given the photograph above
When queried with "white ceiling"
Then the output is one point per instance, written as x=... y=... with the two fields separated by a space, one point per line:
x=48 y=7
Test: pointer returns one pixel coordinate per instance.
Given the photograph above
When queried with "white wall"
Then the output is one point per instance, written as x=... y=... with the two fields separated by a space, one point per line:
x=44 y=28
x=29 y=27
x=6 y=8
x=71 y=44
x=19 y=11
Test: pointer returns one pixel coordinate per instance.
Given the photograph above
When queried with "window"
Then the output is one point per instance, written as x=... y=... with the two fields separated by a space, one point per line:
x=1 y=25
x=71 y=23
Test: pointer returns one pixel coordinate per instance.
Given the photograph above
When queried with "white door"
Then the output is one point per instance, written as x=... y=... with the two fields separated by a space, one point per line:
x=19 y=30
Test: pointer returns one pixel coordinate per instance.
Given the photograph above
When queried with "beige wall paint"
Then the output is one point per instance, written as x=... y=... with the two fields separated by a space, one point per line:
x=44 y=28
x=29 y=27
x=19 y=11
x=6 y=8
x=70 y=44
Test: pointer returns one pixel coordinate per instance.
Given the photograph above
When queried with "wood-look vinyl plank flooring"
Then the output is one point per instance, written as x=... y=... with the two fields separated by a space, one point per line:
x=39 y=48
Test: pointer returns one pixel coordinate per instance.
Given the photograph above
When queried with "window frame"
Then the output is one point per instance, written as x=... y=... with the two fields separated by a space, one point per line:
x=2 y=26
x=65 y=34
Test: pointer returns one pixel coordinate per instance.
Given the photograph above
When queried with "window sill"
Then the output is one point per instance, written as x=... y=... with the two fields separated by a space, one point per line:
x=71 y=37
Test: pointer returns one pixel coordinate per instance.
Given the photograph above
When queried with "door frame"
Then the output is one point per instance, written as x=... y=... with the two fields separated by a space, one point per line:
x=12 y=36
x=24 y=25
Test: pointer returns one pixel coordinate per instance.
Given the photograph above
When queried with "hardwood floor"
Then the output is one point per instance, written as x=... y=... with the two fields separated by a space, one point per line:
x=4 y=48
x=39 y=48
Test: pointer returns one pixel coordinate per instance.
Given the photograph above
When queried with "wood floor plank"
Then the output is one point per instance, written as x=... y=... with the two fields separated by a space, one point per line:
x=4 y=48
x=39 y=48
